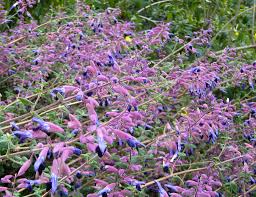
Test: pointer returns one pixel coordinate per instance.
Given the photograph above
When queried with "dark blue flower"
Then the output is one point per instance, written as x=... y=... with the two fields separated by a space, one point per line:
x=79 y=175
x=29 y=187
x=38 y=162
x=78 y=185
x=42 y=124
x=148 y=127
x=129 y=108
x=48 y=185
x=171 y=188
x=90 y=93
x=49 y=154
x=11 y=72
x=38 y=120
x=101 y=148
x=106 y=102
x=22 y=135
x=77 y=151
x=252 y=180
x=63 y=193
x=55 y=91
x=195 y=70
x=166 y=168
x=33 y=182
x=75 y=132
x=41 y=168
x=131 y=143
x=134 y=143
x=79 y=97
x=138 y=187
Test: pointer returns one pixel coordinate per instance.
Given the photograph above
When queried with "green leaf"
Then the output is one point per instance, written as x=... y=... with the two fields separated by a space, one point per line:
x=182 y=154
x=25 y=101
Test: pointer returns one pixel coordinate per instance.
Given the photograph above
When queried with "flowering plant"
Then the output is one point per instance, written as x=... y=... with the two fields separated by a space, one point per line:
x=91 y=112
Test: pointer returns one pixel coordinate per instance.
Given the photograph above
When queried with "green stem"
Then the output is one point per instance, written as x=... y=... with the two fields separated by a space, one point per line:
x=233 y=18
x=152 y=4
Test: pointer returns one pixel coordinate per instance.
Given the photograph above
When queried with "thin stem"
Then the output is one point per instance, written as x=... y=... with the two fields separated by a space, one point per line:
x=148 y=19
x=237 y=48
x=171 y=54
x=191 y=170
x=232 y=19
x=174 y=174
x=237 y=11
x=253 y=188
x=152 y=4
x=253 y=21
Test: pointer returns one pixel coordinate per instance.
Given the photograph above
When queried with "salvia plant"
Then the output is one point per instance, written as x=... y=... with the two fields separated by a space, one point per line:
x=91 y=107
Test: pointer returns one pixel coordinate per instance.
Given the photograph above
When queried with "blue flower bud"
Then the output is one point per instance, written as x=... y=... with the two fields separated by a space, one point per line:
x=78 y=185
x=79 y=97
x=166 y=168
x=131 y=143
x=138 y=187
x=101 y=148
x=77 y=151
x=41 y=168
x=99 y=151
x=49 y=154
x=79 y=175
x=75 y=132
x=89 y=93
x=63 y=193
x=129 y=108
x=29 y=187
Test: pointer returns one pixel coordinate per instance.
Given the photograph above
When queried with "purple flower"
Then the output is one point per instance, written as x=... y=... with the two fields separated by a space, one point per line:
x=33 y=182
x=24 y=167
x=107 y=189
x=47 y=127
x=55 y=91
x=6 y=179
x=161 y=190
x=42 y=124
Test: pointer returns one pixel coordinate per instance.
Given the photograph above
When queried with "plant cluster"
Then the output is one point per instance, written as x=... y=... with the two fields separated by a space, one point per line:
x=90 y=106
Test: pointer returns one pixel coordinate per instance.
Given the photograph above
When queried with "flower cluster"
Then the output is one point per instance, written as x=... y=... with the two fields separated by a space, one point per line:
x=101 y=120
